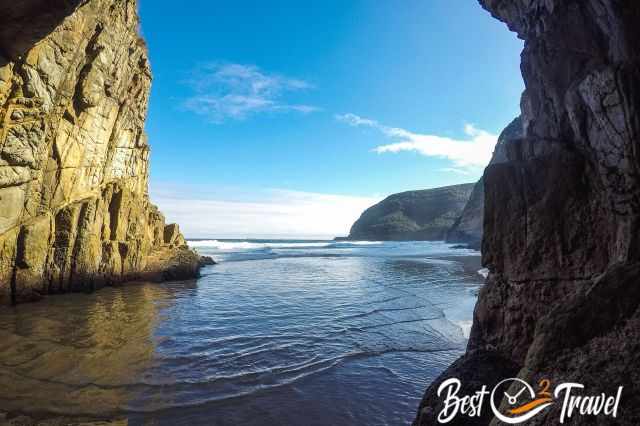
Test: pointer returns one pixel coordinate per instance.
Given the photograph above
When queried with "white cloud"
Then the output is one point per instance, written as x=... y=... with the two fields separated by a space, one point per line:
x=236 y=91
x=268 y=213
x=355 y=120
x=473 y=152
x=454 y=170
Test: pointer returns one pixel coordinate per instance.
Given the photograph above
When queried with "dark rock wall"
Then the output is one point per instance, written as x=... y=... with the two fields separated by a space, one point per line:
x=26 y=22
x=562 y=214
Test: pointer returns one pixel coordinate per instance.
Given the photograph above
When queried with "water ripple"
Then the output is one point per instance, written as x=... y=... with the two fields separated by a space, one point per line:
x=317 y=333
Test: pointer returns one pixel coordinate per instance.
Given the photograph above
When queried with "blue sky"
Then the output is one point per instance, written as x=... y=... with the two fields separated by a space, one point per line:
x=287 y=118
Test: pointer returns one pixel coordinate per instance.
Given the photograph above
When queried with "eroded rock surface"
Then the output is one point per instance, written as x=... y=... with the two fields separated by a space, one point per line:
x=562 y=214
x=74 y=158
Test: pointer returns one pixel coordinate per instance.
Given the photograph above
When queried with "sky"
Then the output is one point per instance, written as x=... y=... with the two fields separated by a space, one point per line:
x=288 y=118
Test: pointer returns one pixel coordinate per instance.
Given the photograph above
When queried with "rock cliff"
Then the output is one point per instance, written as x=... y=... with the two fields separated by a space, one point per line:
x=74 y=158
x=468 y=228
x=413 y=215
x=562 y=214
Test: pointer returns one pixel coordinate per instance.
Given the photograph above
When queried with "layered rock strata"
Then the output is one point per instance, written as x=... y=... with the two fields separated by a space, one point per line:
x=562 y=214
x=74 y=159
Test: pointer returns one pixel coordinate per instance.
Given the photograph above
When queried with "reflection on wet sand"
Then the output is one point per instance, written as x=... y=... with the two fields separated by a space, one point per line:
x=338 y=337
x=84 y=348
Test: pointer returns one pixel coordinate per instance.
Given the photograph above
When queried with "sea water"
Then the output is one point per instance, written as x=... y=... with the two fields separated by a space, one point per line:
x=277 y=333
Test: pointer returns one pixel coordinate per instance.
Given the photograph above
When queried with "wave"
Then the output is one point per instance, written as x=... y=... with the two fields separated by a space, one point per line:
x=250 y=245
x=210 y=390
x=465 y=325
x=348 y=244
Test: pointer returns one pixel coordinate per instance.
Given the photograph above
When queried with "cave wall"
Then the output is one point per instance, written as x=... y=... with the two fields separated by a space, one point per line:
x=74 y=157
x=561 y=227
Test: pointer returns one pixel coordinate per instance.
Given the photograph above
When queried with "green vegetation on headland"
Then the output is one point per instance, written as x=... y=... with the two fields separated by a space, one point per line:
x=413 y=215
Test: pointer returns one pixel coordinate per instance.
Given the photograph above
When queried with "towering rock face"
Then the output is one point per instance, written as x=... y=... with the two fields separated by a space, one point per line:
x=468 y=228
x=74 y=159
x=412 y=215
x=562 y=214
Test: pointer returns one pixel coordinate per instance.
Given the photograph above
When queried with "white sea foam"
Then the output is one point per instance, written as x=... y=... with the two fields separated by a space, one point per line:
x=359 y=243
x=465 y=326
x=484 y=272
x=248 y=245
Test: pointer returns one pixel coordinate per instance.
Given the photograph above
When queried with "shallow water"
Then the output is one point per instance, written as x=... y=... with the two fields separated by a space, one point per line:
x=278 y=333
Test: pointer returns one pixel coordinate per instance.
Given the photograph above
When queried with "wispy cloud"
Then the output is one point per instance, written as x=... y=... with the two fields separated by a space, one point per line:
x=472 y=152
x=236 y=91
x=456 y=171
x=233 y=213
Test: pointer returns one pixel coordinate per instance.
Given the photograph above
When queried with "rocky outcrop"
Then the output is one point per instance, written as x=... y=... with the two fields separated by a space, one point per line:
x=74 y=158
x=562 y=214
x=412 y=215
x=468 y=228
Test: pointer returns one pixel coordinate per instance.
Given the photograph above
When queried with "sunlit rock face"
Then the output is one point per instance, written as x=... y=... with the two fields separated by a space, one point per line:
x=562 y=213
x=74 y=158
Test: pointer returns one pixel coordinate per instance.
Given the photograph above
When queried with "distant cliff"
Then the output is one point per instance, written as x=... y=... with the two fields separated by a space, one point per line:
x=413 y=215
x=468 y=228
x=434 y=214
x=74 y=158
x=562 y=217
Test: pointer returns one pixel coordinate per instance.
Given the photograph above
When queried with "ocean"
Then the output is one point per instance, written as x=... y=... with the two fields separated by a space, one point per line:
x=279 y=332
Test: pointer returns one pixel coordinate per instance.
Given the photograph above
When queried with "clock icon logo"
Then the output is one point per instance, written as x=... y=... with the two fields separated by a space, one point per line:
x=522 y=401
